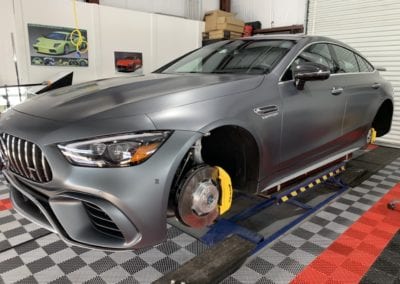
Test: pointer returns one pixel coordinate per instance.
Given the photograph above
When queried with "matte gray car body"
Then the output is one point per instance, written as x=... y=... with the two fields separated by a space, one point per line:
x=304 y=129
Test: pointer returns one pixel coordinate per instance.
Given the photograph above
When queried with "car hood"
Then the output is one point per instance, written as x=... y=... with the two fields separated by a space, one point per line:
x=130 y=96
x=48 y=42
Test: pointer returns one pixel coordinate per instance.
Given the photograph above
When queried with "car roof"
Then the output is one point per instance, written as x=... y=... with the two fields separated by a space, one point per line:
x=298 y=37
x=276 y=36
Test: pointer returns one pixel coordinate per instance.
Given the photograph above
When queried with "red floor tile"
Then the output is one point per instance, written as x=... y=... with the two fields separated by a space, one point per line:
x=5 y=204
x=352 y=254
x=310 y=276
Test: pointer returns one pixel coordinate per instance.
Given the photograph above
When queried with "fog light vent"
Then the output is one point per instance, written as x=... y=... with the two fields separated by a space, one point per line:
x=101 y=221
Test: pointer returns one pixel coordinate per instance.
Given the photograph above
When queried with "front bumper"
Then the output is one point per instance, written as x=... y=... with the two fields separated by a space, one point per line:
x=47 y=50
x=134 y=199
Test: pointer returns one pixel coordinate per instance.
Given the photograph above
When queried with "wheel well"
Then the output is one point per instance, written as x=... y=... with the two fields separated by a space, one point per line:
x=235 y=150
x=383 y=118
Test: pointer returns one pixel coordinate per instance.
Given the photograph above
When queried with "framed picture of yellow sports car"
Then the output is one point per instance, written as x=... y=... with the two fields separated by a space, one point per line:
x=58 y=46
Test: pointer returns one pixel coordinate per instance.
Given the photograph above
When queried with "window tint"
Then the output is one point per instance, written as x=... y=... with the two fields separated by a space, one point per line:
x=345 y=61
x=317 y=53
x=364 y=65
x=238 y=56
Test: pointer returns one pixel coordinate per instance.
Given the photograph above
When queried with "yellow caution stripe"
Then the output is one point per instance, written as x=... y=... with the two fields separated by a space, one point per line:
x=312 y=184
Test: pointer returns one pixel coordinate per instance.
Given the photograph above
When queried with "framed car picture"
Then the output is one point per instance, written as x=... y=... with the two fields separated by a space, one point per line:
x=58 y=46
x=128 y=62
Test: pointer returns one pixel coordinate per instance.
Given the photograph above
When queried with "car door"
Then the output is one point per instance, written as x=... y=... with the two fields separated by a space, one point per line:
x=313 y=117
x=360 y=87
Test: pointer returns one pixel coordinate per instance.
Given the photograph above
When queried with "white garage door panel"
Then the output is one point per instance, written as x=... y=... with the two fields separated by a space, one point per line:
x=373 y=28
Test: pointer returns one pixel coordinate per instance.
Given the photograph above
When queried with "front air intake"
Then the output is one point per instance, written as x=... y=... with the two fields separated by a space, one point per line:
x=25 y=158
x=101 y=221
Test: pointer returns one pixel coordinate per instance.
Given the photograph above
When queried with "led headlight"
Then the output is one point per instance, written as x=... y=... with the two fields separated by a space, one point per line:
x=114 y=151
x=57 y=44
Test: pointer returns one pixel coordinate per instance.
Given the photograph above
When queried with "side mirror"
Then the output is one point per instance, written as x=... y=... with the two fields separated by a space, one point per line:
x=308 y=71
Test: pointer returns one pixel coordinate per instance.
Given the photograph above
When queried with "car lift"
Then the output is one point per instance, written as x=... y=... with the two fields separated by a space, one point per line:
x=226 y=227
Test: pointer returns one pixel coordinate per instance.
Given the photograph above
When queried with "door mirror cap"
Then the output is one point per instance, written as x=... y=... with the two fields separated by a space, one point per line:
x=309 y=71
x=381 y=68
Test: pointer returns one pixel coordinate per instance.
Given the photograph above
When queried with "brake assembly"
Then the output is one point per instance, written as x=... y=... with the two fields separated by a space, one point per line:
x=205 y=193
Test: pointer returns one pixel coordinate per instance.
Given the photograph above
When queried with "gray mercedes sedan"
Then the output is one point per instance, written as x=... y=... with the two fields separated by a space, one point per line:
x=104 y=163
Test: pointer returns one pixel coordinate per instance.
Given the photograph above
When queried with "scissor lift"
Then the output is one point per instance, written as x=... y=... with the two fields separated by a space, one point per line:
x=236 y=224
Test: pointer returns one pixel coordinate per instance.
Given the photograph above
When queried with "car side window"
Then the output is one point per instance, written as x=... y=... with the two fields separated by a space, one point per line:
x=316 y=53
x=345 y=60
x=364 y=65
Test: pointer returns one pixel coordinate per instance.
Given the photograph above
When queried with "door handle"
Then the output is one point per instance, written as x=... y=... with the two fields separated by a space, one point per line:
x=336 y=91
x=376 y=86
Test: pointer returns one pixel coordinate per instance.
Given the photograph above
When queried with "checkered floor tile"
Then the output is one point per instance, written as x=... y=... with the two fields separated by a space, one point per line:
x=348 y=258
x=3 y=188
x=49 y=260
x=282 y=260
x=16 y=230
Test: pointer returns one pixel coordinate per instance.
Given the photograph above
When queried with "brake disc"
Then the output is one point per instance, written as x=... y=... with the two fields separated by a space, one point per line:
x=198 y=197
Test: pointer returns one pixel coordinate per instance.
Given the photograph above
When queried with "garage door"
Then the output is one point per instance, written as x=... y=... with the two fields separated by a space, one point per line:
x=373 y=28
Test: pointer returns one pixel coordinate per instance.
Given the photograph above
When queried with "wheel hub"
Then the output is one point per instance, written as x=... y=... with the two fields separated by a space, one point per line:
x=205 y=198
x=198 y=197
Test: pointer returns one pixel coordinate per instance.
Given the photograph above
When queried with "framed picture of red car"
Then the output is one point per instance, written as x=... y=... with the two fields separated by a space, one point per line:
x=128 y=62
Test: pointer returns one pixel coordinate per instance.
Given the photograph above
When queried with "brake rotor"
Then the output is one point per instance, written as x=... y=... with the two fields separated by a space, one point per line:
x=198 y=197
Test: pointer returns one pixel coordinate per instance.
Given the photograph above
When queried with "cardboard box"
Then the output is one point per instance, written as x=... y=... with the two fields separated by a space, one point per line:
x=221 y=34
x=211 y=19
x=230 y=20
x=230 y=27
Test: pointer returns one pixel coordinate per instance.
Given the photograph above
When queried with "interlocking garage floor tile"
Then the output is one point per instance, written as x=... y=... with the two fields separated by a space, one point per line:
x=3 y=188
x=318 y=232
x=15 y=230
x=47 y=259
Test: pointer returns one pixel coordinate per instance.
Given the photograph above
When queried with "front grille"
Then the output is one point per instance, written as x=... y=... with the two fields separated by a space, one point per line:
x=101 y=221
x=25 y=158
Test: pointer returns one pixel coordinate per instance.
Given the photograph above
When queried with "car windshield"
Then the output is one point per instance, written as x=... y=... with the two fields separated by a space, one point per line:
x=56 y=36
x=236 y=56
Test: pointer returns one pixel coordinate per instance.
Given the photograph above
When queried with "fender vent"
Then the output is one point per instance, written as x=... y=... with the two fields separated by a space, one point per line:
x=101 y=221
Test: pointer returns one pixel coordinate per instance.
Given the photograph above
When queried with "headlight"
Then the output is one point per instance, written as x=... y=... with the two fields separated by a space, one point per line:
x=57 y=44
x=114 y=151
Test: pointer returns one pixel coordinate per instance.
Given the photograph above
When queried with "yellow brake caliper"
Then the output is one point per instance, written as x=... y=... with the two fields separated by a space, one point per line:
x=373 y=136
x=225 y=201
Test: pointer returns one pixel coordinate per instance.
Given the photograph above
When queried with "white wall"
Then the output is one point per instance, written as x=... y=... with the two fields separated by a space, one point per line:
x=168 y=37
x=271 y=13
x=131 y=32
x=7 y=69
x=109 y=29
x=191 y=9
x=171 y=7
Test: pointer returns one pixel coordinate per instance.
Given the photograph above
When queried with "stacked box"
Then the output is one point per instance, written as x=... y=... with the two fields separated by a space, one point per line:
x=212 y=17
x=221 y=34
x=220 y=24
x=230 y=24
